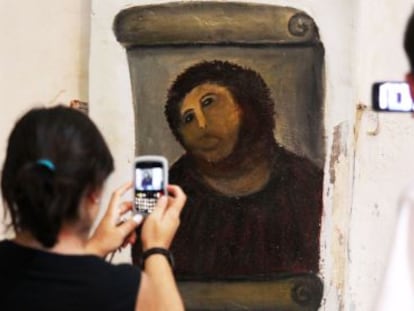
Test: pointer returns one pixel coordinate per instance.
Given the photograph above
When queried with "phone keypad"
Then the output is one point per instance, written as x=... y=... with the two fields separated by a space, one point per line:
x=145 y=204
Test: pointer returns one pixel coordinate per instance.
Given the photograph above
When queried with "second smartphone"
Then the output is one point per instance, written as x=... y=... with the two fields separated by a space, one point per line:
x=150 y=182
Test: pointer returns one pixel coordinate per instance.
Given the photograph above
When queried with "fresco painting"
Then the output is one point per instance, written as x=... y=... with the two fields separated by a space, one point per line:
x=237 y=107
x=243 y=188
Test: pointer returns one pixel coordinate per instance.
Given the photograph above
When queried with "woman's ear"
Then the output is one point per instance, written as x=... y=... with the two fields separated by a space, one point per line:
x=90 y=206
x=94 y=199
x=94 y=196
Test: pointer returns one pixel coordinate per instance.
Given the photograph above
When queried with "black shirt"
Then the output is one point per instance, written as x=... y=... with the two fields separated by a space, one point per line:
x=32 y=279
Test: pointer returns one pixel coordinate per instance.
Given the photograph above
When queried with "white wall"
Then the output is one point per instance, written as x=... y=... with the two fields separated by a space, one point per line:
x=43 y=58
x=384 y=147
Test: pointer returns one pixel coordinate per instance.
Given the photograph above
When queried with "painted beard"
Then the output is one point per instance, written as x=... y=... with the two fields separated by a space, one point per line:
x=251 y=146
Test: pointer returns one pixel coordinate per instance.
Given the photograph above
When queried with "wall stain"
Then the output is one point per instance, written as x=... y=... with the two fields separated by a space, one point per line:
x=338 y=147
x=339 y=180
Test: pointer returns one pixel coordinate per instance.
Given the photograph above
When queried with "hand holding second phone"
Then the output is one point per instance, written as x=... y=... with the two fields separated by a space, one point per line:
x=161 y=225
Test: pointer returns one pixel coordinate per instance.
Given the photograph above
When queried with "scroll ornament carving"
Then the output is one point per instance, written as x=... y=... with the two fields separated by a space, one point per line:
x=301 y=25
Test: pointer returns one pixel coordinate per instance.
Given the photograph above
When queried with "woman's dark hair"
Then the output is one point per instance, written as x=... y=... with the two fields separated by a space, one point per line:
x=247 y=87
x=40 y=197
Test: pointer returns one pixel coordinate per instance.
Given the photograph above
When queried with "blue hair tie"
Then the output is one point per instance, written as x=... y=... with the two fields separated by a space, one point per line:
x=46 y=163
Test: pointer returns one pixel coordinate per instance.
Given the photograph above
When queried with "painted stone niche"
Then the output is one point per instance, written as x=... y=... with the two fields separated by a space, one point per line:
x=232 y=94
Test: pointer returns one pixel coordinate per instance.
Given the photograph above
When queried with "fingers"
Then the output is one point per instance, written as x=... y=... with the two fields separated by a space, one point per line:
x=138 y=218
x=169 y=207
x=130 y=239
x=176 y=192
x=128 y=227
x=115 y=228
x=116 y=195
x=179 y=199
x=171 y=204
x=132 y=223
x=121 y=214
x=161 y=225
x=125 y=207
x=161 y=206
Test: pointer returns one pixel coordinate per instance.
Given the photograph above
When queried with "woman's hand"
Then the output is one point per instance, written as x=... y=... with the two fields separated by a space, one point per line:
x=112 y=233
x=160 y=226
x=158 y=290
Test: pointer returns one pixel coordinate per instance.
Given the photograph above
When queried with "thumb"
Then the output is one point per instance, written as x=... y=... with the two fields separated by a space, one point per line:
x=137 y=219
x=131 y=224
x=161 y=206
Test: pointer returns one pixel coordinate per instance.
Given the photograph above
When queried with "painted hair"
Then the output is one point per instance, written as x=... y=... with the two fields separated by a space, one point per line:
x=54 y=156
x=409 y=41
x=247 y=87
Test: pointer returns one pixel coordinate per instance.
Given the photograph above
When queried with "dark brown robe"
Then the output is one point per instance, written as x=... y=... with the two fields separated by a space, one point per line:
x=274 y=230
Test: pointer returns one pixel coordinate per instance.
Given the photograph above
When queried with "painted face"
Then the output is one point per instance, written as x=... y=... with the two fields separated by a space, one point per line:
x=210 y=122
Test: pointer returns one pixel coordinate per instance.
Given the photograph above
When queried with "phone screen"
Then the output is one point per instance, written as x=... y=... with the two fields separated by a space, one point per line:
x=392 y=96
x=149 y=185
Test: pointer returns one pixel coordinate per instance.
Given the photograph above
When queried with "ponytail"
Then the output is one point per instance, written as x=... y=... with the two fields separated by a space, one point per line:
x=35 y=193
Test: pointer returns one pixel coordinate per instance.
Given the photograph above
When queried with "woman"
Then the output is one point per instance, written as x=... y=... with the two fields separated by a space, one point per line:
x=52 y=181
x=254 y=208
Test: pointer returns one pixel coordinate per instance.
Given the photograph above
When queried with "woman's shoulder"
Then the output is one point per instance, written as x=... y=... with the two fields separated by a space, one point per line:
x=52 y=281
x=99 y=278
x=11 y=254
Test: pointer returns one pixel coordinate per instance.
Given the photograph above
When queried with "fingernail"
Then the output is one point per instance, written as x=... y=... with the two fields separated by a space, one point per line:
x=137 y=218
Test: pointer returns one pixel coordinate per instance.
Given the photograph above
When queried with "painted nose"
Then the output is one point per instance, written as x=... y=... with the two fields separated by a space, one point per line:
x=201 y=119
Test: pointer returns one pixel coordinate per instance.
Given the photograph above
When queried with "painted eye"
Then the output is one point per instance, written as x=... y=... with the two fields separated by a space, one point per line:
x=207 y=101
x=188 y=117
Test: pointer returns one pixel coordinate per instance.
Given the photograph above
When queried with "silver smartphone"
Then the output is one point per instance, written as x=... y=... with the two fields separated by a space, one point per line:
x=392 y=96
x=150 y=182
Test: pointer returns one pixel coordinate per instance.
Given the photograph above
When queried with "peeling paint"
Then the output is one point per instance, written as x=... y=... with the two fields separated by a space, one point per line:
x=339 y=177
x=338 y=147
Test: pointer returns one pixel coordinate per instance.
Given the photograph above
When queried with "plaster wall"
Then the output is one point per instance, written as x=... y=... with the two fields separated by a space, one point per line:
x=43 y=58
x=383 y=147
